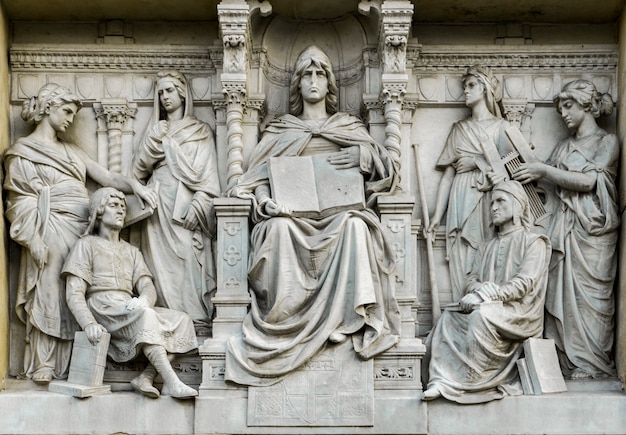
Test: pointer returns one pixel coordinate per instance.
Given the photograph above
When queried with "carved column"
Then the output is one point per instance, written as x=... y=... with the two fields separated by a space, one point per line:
x=115 y=131
x=234 y=18
x=395 y=25
x=519 y=113
x=234 y=30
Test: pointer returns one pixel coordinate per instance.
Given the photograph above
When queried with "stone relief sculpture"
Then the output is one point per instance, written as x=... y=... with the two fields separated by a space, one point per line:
x=178 y=154
x=321 y=279
x=474 y=348
x=580 y=304
x=47 y=206
x=110 y=289
x=468 y=176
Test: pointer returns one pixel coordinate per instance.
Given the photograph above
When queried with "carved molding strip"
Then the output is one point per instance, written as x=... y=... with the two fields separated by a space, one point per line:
x=150 y=58
x=514 y=58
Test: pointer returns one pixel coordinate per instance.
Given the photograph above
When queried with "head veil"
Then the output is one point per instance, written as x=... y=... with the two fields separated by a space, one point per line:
x=493 y=87
x=180 y=83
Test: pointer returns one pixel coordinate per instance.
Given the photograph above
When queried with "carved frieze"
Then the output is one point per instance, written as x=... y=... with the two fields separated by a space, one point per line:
x=28 y=57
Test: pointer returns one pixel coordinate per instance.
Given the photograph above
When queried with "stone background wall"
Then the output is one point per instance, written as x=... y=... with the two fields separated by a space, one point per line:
x=111 y=64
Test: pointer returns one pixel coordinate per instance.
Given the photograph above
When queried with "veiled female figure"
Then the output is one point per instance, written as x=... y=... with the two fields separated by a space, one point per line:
x=467 y=178
x=47 y=205
x=314 y=280
x=583 y=232
x=178 y=153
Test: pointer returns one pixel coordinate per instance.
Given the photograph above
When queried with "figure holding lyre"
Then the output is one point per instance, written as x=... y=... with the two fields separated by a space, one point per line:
x=468 y=176
x=579 y=303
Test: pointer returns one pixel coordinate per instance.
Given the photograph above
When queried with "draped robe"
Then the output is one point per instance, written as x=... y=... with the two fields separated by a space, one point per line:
x=584 y=231
x=473 y=356
x=314 y=277
x=112 y=271
x=184 y=164
x=46 y=197
x=468 y=222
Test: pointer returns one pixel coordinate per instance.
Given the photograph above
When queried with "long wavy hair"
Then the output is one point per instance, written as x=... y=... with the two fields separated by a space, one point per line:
x=312 y=55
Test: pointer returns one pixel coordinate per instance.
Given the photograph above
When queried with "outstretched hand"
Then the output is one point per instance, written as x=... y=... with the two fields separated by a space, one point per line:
x=145 y=195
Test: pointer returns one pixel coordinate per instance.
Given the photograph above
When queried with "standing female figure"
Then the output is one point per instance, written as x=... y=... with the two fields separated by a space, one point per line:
x=467 y=178
x=47 y=206
x=583 y=232
x=178 y=152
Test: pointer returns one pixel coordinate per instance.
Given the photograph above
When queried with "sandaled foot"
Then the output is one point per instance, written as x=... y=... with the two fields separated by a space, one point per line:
x=431 y=394
x=178 y=390
x=144 y=385
x=42 y=376
x=579 y=374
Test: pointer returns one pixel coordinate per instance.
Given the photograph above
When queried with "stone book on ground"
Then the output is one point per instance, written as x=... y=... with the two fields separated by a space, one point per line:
x=543 y=366
x=310 y=186
x=524 y=376
x=86 y=368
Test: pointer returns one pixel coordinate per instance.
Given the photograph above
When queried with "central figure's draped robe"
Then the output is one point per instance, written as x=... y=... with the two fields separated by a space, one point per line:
x=314 y=277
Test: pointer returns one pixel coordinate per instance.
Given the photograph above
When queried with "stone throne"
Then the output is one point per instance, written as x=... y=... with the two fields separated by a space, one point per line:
x=368 y=52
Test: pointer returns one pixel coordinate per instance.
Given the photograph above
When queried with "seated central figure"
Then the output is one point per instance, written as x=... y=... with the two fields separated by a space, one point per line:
x=315 y=280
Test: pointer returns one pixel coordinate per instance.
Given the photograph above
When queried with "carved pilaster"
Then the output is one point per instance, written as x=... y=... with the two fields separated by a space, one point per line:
x=231 y=299
x=115 y=130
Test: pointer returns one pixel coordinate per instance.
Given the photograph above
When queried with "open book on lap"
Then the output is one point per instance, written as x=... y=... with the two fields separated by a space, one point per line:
x=312 y=187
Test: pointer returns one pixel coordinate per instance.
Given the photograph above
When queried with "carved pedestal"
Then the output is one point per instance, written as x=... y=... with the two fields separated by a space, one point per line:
x=232 y=299
x=304 y=402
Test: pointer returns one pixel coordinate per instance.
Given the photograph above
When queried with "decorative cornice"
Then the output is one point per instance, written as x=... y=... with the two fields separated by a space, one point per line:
x=514 y=58
x=106 y=58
